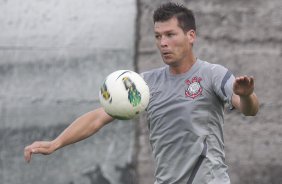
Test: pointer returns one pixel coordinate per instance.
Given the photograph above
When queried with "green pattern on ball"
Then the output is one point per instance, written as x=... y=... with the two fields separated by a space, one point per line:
x=134 y=95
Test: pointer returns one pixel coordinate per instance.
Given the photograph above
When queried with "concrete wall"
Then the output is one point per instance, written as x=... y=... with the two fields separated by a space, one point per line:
x=244 y=36
x=53 y=57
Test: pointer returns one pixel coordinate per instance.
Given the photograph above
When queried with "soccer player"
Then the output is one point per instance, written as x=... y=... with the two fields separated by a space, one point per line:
x=185 y=112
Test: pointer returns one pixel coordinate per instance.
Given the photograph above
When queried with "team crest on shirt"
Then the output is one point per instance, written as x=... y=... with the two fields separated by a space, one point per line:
x=193 y=88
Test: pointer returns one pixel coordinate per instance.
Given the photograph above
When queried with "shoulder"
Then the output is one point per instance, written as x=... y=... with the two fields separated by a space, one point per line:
x=205 y=65
x=153 y=74
x=212 y=68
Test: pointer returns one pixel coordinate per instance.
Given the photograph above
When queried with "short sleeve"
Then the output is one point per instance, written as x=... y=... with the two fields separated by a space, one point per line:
x=222 y=82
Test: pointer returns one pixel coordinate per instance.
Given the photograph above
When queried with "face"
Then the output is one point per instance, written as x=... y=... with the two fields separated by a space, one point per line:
x=174 y=44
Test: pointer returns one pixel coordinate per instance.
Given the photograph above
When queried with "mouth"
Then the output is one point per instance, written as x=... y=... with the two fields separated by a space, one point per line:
x=166 y=53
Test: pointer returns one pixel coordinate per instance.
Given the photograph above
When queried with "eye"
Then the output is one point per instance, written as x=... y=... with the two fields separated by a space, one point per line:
x=157 y=37
x=170 y=34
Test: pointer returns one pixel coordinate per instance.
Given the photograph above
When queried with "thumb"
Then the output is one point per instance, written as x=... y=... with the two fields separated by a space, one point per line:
x=41 y=150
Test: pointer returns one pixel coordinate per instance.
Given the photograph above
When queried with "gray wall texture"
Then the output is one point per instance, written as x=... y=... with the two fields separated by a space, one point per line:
x=54 y=55
x=246 y=37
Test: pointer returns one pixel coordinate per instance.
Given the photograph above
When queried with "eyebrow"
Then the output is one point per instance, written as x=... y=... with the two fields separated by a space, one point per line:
x=168 y=31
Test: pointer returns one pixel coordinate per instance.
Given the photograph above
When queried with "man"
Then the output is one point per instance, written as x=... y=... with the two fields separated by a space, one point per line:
x=185 y=112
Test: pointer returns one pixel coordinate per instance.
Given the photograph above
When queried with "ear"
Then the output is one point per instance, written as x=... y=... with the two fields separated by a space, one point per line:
x=191 y=36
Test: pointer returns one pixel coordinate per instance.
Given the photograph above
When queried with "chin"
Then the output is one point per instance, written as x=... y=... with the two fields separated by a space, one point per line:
x=167 y=60
x=170 y=62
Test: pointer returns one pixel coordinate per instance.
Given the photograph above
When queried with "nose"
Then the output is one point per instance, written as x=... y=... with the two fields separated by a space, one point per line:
x=163 y=42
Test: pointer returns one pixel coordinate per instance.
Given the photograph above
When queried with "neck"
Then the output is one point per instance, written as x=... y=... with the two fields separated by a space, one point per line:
x=183 y=67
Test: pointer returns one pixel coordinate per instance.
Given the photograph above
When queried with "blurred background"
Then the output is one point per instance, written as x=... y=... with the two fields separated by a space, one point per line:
x=55 y=54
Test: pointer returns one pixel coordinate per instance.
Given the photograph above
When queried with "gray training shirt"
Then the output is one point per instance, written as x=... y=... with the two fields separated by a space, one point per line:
x=185 y=117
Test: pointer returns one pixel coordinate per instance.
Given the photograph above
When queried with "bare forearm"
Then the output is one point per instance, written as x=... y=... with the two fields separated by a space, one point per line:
x=249 y=105
x=244 y=98
x=80 y=129
x=83 y=127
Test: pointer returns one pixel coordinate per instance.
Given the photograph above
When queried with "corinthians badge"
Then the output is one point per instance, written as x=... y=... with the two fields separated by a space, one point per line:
x=193 y=88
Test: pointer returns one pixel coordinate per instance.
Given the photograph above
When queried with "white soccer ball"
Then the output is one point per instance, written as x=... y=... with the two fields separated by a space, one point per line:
x=124 y=94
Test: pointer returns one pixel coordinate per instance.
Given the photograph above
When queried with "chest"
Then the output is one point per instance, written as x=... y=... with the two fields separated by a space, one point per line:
x=186 y=91
x=179 y=104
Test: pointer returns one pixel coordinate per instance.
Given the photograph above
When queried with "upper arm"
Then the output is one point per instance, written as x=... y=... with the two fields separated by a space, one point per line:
x=222 y=82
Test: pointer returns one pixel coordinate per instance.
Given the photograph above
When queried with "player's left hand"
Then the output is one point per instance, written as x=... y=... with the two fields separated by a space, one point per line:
x=243 y=86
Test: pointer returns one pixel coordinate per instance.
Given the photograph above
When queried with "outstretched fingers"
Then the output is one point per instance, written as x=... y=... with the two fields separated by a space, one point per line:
x=241 y=78
x=245 y=79
x=243 y=85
